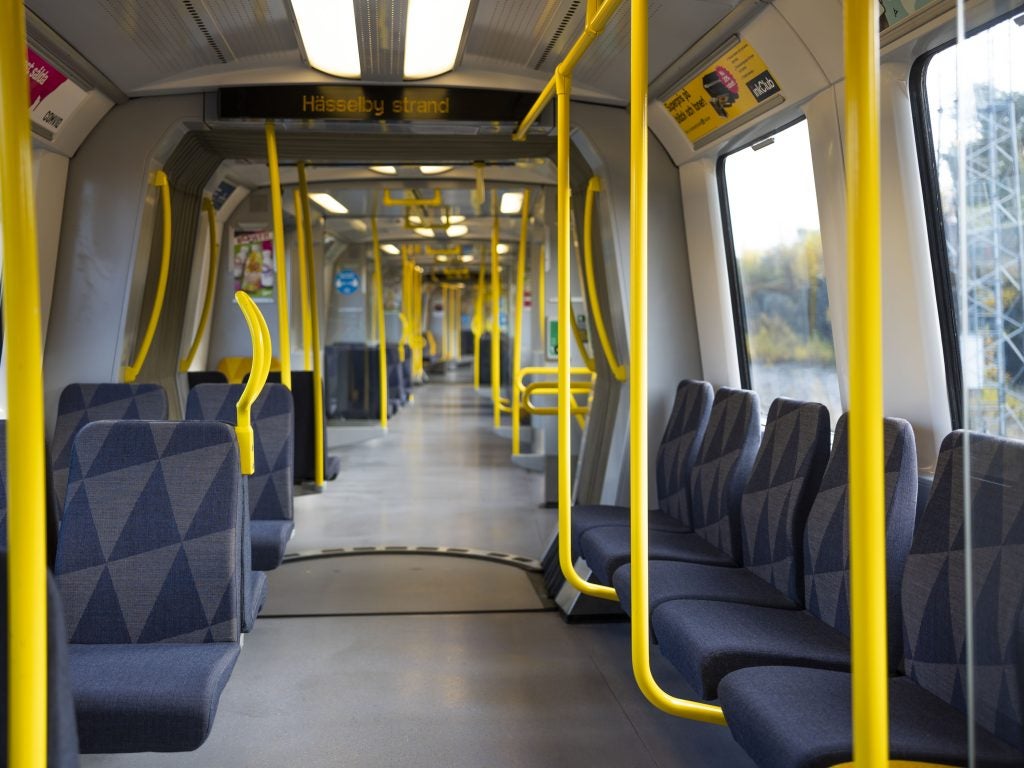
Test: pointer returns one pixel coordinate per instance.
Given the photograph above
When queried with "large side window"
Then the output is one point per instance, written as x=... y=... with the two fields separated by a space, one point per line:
x=782 y=315
x=978 y=270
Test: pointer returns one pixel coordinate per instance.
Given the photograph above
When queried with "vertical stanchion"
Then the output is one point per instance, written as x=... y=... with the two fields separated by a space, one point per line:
x=300 y=251
x=517 y=340
x=542 y=266
x=495 y=315
x=284 y=342
x=478 y=326
x=382 y=336
x=314 y=324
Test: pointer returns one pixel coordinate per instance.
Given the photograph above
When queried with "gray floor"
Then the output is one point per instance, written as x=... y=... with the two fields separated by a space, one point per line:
x=449 y=689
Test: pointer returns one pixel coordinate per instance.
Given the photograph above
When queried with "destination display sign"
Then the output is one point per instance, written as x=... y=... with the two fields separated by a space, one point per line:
x=372 y=103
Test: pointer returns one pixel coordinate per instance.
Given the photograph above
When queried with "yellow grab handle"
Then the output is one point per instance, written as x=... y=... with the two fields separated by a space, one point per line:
x=260 y=334
x=312 y=310
x=211 y=286
x=131 y=372
x=618 y=370
x=390 y=200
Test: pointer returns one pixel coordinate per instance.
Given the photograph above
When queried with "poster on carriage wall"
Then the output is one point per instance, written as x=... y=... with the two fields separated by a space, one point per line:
x=893 y=11
x=51 y=96
x=253 y=264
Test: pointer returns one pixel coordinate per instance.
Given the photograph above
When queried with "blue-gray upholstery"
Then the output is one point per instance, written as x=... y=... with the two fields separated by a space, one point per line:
x=80 y=404
x=773 y=511
x=707 y=640
x=928 y=707
x=673 y=464
x=149 y=568
x=61 y=734
x=717 y=480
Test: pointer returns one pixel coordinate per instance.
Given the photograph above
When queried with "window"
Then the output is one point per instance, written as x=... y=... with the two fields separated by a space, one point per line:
x=782 y=316
x=985 y=347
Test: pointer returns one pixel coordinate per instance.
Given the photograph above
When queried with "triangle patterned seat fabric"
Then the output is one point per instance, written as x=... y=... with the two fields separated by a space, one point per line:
x=81 y=404
x=149 y=549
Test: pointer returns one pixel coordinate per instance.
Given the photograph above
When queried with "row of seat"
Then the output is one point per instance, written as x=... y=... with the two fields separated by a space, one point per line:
x=749 y=579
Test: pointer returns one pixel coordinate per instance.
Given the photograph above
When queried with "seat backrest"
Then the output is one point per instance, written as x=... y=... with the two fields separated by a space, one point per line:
x=273 y=419
x=934 y=610
x=82 y=403
x=827 y=539
x=723 y=466
x=195 y=378
x=679 y=446
x=150 y=545
x=785 y=478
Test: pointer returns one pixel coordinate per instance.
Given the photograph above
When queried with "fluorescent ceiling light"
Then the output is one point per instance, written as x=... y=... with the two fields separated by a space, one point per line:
x=512 y=202
x=466 y=258
x=455 y=218
x=358 y=224
x=327 y=202
x=415 y=220
x=456 y=230
x=433 y=32
x=502 y=248
x=433 y=170
x=390 y=248
x=424 y=231
x=328 y=31
x=387 y=170
x=441 y=257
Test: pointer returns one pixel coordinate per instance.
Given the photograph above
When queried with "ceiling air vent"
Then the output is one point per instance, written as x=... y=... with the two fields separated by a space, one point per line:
x=559 y=31
x=198 y=21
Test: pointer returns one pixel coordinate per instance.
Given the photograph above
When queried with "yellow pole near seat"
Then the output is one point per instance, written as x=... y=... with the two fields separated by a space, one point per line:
x=382 y=336
x=26 y=494
x=478 y=326
x=517 y=340
x=541 y=298
x=211 y=286
x=618 y=370
x=300 y=248
x=312 y=309
x=131 y=372
x=284 y=340
x=495 y=319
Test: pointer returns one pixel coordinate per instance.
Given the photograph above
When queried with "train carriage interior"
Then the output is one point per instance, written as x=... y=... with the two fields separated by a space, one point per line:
x=627 y=383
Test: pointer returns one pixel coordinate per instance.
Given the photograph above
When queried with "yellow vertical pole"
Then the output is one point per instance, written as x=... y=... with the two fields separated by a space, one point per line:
x=495 y=319
x=382 y=337
x=445 y=325
x=517 y=341
x=867 y=484
x=312 y=310
x=284 y=342
x=300 y=248
x=458 y=323
x=541 y=298
x=26 y=495
x=418 y=299
x=478 y=326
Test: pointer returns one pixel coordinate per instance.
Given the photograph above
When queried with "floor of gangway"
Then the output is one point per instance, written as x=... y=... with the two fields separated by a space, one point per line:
x=424 y=659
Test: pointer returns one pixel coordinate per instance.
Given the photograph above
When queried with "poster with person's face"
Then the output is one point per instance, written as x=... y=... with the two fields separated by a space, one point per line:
x=253 y=264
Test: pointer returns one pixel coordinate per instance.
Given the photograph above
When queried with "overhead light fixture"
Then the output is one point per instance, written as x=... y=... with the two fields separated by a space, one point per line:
x=413 y=219
x=502 y=249
x=424 y=231
x=433 y=35
x=455 y=218
x=358 y=224
x=433 y=170
x=387 y=170
x=466 y=258
x=456 y=230
x=328 y=32
x=442 y=257
x=511 y=202
x=327 y=202
x=390 y=248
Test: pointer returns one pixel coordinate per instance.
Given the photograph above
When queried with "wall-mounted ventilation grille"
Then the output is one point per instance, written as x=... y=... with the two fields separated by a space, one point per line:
x=198 y=21
x=559 y=31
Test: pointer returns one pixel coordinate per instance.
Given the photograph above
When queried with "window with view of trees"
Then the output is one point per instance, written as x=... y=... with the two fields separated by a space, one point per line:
x=773 y=223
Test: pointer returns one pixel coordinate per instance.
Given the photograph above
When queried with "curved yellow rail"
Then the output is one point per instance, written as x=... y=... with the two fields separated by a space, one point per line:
x=382 y=336
x=312 y=308
x=300 y=252
x=211 y=286
x=131 y=372
x=260 y=336
x=618 y=370
x=517 y=334
x=283 y=327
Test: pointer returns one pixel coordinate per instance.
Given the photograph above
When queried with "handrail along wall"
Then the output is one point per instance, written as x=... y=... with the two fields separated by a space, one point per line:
x=211 y=286
x=618 y=369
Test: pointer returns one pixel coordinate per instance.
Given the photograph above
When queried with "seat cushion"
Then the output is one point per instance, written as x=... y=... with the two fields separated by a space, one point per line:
x=157 y=697
x=269 y=539
x=607 y=548
x=668 y=580
x=707 y=640
x=788 y=717
x=256 y=595
x=596 y=515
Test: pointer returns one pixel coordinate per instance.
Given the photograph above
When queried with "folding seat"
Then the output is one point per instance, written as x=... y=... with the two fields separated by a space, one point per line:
x=717 y=481
x=149 y=569
x=788 y=717
x=773 y=511
x=705 y=640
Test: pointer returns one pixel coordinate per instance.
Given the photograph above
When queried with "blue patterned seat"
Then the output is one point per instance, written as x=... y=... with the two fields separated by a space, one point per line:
x=716 y=484
x=928 y=706
x=773 y=511
x=149 y=569
x=706 y=640
x=80 y=404
x=673 y=464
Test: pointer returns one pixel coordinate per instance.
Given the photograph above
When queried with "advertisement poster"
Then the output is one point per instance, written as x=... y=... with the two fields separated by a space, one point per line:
x=253 y=264
x=51 y=96
x=893 y=11
x=731 y=86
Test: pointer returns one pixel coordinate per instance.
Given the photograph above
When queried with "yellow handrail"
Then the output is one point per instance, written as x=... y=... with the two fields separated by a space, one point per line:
x=495 y=307
x=426 y=201
x=446 y=330
x=517 y=338
x=131 y=372
x=618 y=370
x=641 y=625
x=211 y=286
x=547 y=370
x=477 y=326
x=312 y=308
x=596 y=22
x=577 y=334
x=260 y=335
x=869 y=660
x=26 y=495
x=300 y=250
x=541 y=298
x=382 y=336
x=431 y=342
x=284 y=340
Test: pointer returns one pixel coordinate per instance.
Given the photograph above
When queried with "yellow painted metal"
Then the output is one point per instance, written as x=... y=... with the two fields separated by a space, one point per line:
x=478 y=326
x=420 y=340
x=517 y=333
x=869 y=660
x=577 y=334
x=541 y=299
x=594 y=27
x=445 y=325
x=431 y=342
x=300 y=248
x=260 y=335
x=618 y=370
x=641 y=624
x=564 y=83
x=382 y=337
x=902 y=764
x=211 y=286
x=284 y=340
x=495 y=307
x=427 y=201
x=26 y=490
x=312 y=308
x=131 y=372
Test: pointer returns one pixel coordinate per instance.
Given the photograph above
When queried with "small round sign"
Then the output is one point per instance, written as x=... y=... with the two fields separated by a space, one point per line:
x=346 y=282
